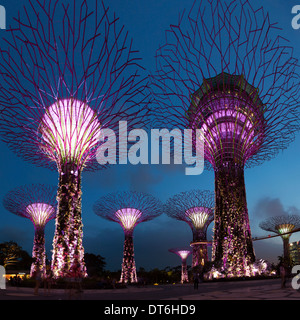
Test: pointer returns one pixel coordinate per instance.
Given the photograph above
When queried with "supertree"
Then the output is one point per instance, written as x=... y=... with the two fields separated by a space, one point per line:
x=282 y=225
x=226 y=71
x=68 y=71
x=183 y=254
x=196 y=208
x=36 y=202
x=128 y=209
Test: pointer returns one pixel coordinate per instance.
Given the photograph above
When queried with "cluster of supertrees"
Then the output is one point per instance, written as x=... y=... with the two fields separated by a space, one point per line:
x=38 y=204
x=68 y=71
x=196 y=208
x=224 y=69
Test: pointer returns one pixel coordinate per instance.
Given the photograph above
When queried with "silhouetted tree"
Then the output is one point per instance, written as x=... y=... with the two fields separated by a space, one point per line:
x=95 y=264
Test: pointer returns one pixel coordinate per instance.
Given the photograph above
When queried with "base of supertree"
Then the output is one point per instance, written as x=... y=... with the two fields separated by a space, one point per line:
x=68 y=251
x=254 y=270
x=128 y=274
x=232 y=245
x=200 y=255
x=38 y=265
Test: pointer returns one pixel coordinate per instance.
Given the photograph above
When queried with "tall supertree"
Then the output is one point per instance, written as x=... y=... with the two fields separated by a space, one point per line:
x=226 y=70
x=282 y=225
x=36 y=202
x=128 y=209
x=196 y=208
x=183 y=254
x=68 y=71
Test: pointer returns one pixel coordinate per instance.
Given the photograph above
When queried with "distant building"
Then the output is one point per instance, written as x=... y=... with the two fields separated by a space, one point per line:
x=295 y=252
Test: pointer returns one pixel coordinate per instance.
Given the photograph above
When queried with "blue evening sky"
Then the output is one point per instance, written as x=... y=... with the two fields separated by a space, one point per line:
x=271 y=188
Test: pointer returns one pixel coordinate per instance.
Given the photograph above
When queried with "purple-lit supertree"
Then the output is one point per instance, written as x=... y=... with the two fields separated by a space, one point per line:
x=225 y=70
x=196 y=208
x=282 y=225
x=68 y=71
x=128 y=209
x=183 y=254
x=38 y=203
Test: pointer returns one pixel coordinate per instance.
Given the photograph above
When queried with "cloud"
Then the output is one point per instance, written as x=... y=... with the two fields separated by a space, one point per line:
x=293 y=210
x=268 y=207
x=142 y=177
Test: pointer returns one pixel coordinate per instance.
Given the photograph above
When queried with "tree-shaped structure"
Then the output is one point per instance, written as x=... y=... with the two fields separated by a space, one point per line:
x=68 y=71
x=226 y=70
x=128 y=209
x=196 y=208
x=36 y=202
x=282 y=225
x=183 y=254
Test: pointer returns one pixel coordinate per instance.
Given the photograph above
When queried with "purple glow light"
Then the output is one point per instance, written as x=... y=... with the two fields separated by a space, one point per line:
x=128 y=217
x=198 y=216
x=40 y=213
x=232 y=127
x=184 y=253
x=70 y=129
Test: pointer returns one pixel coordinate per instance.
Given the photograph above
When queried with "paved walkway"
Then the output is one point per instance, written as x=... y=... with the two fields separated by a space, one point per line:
x=267 y=292
x=240 y=290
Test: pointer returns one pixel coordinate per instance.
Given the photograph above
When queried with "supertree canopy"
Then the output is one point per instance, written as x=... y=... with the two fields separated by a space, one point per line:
x=183 y=254
x=196 y=208
x=128 y=209
x=282 y=225
x=225 y=69
x=68 y=71
x=37 y=203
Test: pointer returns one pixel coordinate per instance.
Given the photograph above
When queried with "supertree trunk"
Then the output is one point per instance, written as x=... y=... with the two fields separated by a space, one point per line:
x=200 y=255
x=68 y=250
x=38 y=253
x=286 y=248
x=184 y=272
x=128 y=266
x=232 y=239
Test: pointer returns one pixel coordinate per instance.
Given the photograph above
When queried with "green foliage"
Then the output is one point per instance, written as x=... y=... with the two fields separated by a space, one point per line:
x=12 y=256
x=95 y=264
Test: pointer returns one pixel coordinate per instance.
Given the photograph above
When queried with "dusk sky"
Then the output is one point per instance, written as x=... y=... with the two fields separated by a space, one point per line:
x=272 y=188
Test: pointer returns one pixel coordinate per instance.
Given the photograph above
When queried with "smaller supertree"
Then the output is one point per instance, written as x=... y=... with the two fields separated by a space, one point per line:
x=196 y=208
x=128 y=209
x=38 y=203
x=282 y=225
x=183 y=254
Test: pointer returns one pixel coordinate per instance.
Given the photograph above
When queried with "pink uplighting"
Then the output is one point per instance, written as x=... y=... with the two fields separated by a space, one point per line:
x=70 y=129
x=198 y=216
x=184 y=254
x=128 y=217
x=40 y=213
